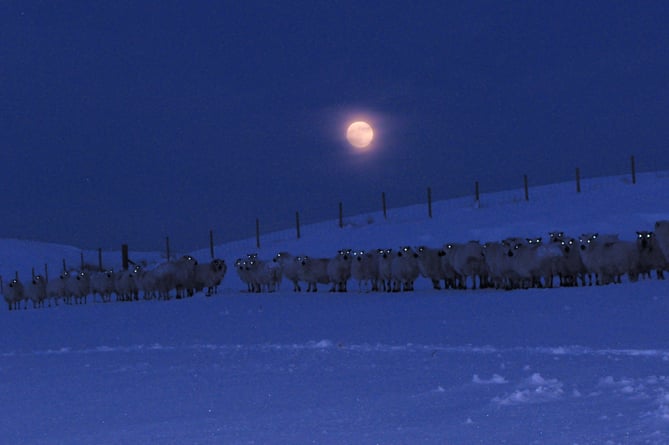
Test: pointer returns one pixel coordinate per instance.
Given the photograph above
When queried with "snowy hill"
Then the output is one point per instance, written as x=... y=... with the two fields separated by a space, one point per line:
x=571 y=365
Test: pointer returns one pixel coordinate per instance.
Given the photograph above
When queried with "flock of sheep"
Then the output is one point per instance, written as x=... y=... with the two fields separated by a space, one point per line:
x=512 y=263
x=182 y=277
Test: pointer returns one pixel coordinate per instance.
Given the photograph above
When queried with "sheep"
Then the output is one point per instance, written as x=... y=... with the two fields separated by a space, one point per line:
x=404 y=269
x=468 y=261
x=339 y=270
x=556 y=236
x=430 y=265
x=57 y=288
x=14 y=294
x=289 y=268
x=263 y=274
x=241 y=267
x=313 y=271
x=661 y=231
x=365 y=270
x=178 y=275
x=77 y=286
x=210 y=276
x=453 y=279
x=149 y=282
x=650 y=254
x=497 y=263
x=35 y=291
x=549 y=259
x=385 y=261
x=609 y=257
x=126 y=284
x=521 y=263
x=102 y=283
x=570 y=268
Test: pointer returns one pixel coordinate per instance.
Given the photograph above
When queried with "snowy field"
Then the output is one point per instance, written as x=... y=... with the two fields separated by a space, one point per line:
x=541 y=366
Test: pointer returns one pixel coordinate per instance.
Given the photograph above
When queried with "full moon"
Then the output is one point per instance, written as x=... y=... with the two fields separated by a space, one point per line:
x=360 y=134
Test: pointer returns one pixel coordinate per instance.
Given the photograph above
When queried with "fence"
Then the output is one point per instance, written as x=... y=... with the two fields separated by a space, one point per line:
x=477 y=200
x=126 y=261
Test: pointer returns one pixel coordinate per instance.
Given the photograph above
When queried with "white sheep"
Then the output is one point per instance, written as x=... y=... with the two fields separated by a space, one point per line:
x=209 y=276
x=385 y=260
x=498 y=264
x=548 y=261
x=661 y=231
x=264 y=275
x=468 y=261
x=404 y=269
x=35 y=291
x=313 y=271
x=453 y=279
x=365 y=270
x=521 y=263
x=570 y=268
x=243 y=272
x=339 y=270
x=289 y=268
x=102 y=283
x=650 y=254
x=149 y=282
x=14 y=294
x=178 y=275
x=77 y=286
x=609 y=257
x=56 y=288
x=431 y=266
x=126 y=284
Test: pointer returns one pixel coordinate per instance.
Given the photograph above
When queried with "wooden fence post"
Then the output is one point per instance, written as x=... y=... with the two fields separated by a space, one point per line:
x=341 y=215
x=633 y=169
x=477 y=196
x=211 y=243
x=578 y=180
x=527 y=192
x=383 y=204
x=124 y=256
x=429 y=202
x=258 y=233
x=297 y=224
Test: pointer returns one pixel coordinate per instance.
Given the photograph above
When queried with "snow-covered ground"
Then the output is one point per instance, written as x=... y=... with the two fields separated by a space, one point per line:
x=555 y=366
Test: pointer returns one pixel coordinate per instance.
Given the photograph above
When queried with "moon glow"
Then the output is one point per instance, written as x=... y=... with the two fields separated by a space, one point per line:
x=360 y=134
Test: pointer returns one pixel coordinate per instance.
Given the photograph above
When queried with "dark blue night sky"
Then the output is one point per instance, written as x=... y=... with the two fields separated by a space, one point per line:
x=125 y=122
